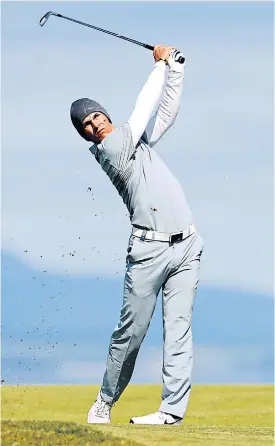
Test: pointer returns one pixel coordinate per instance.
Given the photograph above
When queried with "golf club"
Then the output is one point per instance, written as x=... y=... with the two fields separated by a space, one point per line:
x=45 y=17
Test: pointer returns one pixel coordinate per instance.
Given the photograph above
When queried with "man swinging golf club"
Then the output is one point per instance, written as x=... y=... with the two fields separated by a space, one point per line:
x=164 y=247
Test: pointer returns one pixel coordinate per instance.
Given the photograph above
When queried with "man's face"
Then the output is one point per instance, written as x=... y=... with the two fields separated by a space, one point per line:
x=96 y=127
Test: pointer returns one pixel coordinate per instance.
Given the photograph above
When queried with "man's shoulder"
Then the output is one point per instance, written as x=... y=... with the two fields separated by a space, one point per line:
x=118 y=138
x=118 y=132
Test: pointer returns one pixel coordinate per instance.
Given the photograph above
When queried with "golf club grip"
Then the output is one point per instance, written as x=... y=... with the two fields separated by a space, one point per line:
x=150 y=47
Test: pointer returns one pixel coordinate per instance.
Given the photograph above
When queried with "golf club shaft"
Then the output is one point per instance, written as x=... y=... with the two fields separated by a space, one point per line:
x=144 y=45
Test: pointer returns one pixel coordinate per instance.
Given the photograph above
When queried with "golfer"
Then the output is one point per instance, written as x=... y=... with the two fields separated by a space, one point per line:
x=164 y=248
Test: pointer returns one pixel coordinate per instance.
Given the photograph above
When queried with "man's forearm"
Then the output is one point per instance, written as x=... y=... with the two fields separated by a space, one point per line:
x=169 y=105
x=147 y=101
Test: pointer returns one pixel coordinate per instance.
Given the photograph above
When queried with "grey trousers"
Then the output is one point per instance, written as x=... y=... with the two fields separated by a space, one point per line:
x=150 y=267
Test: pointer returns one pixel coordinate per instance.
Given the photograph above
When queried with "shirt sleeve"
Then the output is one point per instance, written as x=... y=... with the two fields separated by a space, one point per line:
x=169 y=106
x=147 y=101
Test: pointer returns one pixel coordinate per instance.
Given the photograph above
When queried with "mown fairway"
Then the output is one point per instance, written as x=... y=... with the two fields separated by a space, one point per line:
x=217 y=415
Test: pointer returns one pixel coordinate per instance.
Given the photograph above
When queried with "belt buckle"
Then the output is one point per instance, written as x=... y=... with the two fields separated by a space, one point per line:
x=176 y=237
x=143 y=235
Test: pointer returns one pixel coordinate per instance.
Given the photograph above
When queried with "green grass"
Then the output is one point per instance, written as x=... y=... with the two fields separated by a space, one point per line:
x=217 y=415
x=54 y=433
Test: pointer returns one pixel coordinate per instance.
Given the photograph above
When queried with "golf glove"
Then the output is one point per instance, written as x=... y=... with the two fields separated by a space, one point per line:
x=176 y=60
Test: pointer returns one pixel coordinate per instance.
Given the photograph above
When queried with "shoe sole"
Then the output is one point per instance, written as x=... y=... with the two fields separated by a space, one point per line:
x=176 y=423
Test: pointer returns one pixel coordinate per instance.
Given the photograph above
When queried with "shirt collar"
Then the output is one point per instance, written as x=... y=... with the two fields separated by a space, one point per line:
x=93 y=149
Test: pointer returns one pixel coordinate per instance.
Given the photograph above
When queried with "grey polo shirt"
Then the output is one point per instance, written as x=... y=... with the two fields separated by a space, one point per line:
x=152 y=194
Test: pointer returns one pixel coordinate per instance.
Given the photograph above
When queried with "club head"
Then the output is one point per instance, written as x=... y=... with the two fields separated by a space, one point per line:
x=45 y=17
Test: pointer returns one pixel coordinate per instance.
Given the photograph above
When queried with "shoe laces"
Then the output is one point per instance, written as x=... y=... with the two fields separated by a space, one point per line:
x=102 y=408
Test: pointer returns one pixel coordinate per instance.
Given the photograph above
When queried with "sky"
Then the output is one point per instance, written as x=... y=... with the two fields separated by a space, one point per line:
x=64 y=227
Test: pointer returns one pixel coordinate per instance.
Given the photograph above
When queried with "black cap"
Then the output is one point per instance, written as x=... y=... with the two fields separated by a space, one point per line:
x=82 y=108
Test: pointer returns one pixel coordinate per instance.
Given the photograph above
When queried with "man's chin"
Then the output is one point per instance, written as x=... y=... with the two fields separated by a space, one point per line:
x=94 y=139
x=103 y=135
x=97 y=139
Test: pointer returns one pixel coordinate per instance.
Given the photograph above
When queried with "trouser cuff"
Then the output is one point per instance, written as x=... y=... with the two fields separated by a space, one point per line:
x=168 y=409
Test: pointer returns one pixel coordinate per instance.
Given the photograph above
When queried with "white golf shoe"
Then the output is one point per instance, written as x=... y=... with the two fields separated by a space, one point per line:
x=157 y=418
x=99 y=412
